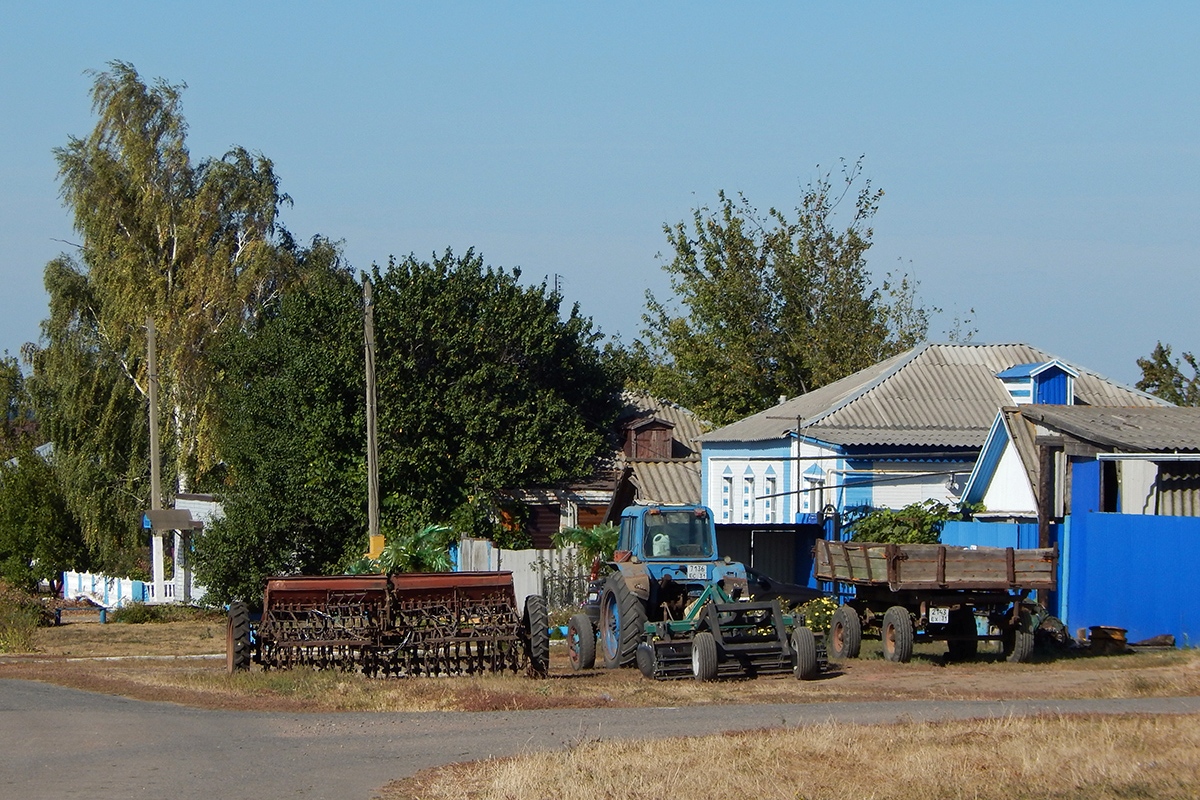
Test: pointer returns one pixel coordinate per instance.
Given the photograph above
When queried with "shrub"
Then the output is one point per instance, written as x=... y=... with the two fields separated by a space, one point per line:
x=818 y=613
x=20 y=616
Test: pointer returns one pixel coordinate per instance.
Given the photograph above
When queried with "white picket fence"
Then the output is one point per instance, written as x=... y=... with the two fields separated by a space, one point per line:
x=103 y=590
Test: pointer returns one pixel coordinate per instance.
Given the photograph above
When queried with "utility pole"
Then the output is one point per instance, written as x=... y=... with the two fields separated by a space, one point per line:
x=156 y=539
x=376 y=540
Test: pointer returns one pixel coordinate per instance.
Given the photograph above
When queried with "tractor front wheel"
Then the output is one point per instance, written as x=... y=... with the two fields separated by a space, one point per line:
x=581 y=643
x=622 y=622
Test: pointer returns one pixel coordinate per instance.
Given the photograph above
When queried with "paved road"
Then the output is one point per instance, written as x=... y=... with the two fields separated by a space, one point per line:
x=57 y=742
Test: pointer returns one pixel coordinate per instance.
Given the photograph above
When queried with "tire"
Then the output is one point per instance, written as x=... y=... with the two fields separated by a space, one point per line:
x=537 y=628
x=1018 y=641
x=845 y=634
x=804 y=654
x=962 y=623
x=622 y=622
x=704 y=656
x=897 y=634
x=646 y=660
x=581 y=643
x=237 y=639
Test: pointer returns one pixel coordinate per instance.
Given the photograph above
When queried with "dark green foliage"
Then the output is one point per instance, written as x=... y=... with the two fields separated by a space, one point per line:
x=774 y=304
x=39 y=537
x=1164 y=378
x=17 y=426
x=293 y=439
x=597 y=542
x=140 y=614
x=919 y=523
x=21 y=614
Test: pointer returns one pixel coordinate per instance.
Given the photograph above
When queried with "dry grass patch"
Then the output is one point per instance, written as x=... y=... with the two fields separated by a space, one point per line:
x=1067 y=758
x=90 y=639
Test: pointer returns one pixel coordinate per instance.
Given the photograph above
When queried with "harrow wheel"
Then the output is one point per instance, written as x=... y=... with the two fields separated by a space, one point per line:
x=804 y=652
x=537 y=622
x=237 y=639
x=704 y=656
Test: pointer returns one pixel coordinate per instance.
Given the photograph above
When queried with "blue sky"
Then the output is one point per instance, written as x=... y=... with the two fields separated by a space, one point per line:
x=1041 y=163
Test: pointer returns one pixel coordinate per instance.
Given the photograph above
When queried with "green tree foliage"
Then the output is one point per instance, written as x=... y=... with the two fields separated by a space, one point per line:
x=39 y=537
x=482 y=386
x=597 y=543
x=293 y=438
x=775 y=304
x=17 y=426
x=918 y=523
x=1165 y=378
x=196 y=246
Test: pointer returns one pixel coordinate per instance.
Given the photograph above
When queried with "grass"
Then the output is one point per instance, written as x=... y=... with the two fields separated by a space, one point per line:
x=1066 y=758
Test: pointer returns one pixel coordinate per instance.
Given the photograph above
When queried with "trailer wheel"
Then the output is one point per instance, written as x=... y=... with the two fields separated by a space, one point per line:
x=581 y=643
x=646 y=660
x=804 y=654
x=537 y=627
x=704 y=656
x=897 y=634
x=622 y=621
x=1018 y=640
x=237 y=639
x=845 y=633
x=962 y=623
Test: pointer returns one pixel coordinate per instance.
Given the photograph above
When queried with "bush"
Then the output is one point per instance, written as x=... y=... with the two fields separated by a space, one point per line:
x=140 y=613
x=818 y=613
x=20 y=616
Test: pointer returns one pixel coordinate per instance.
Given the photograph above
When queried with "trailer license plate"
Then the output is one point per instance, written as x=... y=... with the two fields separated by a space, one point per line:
x=697 y=572
x=939 y=616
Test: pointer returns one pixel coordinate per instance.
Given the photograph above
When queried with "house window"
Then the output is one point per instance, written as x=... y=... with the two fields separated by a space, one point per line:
x=769 y=501
x=726 y=496
x=747 y=498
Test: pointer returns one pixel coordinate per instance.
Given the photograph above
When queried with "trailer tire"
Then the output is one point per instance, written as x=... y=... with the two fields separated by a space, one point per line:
x=581 y=643
x=845 y=633
x=1018 y=640
x=804 y=654
x=646 y=660
x=897 y=634
x=962 y=623
x=622 y=622
x=537 y=628
x=704 y=656
x=237 y=639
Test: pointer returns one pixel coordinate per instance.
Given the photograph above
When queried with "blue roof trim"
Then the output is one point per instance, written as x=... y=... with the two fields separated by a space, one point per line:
x=989 y=460
x=1035 y=369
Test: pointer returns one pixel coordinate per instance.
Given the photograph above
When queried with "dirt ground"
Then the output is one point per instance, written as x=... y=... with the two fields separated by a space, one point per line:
x=183 y=662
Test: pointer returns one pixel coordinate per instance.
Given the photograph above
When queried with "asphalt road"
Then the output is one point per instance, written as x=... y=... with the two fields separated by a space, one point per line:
x=57 y=742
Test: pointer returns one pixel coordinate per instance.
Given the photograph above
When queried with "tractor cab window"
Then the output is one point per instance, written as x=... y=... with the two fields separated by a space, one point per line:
x=678 y=534
x=625 y=539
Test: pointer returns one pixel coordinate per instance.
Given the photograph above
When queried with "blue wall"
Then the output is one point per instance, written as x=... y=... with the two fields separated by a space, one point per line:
x=1136 y=572
x=990 y=534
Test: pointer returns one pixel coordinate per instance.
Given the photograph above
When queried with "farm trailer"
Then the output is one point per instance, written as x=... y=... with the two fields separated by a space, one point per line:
x=906 y=593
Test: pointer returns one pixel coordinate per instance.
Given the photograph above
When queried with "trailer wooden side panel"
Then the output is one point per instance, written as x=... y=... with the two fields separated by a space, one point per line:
x=935 y=566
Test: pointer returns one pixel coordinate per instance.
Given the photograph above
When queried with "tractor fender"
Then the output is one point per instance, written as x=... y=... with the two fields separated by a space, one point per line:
x=637 y=578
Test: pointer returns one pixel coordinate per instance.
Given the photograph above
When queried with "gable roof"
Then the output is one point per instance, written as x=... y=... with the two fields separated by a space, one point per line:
x=1130 y=430
x=935 y=395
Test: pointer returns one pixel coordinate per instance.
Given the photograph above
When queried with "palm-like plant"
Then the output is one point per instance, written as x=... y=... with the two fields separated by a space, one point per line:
x=423 y=550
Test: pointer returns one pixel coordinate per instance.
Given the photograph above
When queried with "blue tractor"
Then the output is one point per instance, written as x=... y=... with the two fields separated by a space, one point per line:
x=669 y=604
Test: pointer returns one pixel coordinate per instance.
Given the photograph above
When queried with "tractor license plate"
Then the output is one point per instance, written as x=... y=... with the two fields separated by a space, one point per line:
x=939 y=616
x=697 y=572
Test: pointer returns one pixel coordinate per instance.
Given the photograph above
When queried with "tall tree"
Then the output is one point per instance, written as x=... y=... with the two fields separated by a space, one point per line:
x=1164 y=377
x=39 y=536
x=483 y=385
x=775 y=304
x=195 y=246
x=17 y=426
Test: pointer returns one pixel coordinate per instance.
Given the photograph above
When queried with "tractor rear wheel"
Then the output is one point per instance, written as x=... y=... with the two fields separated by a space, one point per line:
x=622 y=622
x=845 y=633
x=581 y=643
x=237 y=639
x=537 y=627
x=704 y=656
x=897 y=634
x=804 y=654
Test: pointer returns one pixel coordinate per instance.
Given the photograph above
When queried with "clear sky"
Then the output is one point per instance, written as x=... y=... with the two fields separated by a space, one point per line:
x=1041 y=162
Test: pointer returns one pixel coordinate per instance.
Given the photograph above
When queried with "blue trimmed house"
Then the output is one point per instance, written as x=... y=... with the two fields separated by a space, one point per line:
x=905 y=430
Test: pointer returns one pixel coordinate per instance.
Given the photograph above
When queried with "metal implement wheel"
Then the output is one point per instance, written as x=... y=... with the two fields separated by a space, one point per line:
x=622 y=621
x=962 y=624
x=237 y=639
x=845 y=633
x=804 y=654
x=1018 y=639
x=581 y=643
x=704 y=656
x=897 y=634
x=646 y=660
x=537 y=627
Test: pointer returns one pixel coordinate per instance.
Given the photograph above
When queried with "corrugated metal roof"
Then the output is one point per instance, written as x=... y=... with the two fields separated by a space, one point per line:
x=675 y=482
x=1134 y=430
x=944 y=395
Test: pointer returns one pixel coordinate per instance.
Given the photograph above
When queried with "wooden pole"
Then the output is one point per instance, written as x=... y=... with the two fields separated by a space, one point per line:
x=376 y=541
